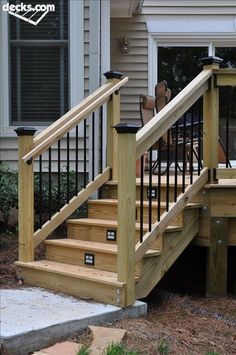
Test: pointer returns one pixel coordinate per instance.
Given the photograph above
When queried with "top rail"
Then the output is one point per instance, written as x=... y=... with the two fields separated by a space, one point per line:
x=72 y=118
x=163 y=120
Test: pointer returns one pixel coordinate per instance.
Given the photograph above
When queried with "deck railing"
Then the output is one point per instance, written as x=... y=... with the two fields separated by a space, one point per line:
x=204 y=87
x=47 y=146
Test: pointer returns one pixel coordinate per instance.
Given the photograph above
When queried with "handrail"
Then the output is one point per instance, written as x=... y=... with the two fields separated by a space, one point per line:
x=68 y=115
x=162 y=121
x=78 y=115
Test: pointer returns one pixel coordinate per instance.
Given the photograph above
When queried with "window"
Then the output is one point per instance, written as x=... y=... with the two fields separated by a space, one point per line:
x=39 y=67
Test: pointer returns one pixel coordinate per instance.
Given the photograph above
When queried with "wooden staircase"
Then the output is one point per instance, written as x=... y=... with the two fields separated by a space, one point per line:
x=140 y=226
x=85 y=263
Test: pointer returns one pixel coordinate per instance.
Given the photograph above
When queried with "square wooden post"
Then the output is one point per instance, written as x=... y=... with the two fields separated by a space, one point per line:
x=211 y=119
x=126 y=208
x=25 y=195
x=113 y=118
x=217 y=257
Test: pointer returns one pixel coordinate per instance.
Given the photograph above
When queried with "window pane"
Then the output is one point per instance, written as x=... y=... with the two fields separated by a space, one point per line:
x=179 y=65
x=39 y=71
x=37 y=78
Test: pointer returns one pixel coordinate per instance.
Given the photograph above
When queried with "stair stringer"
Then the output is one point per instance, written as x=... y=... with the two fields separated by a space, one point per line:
x=174 y=244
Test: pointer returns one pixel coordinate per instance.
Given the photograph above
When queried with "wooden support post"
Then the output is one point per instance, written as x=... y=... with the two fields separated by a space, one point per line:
x=25 y=195
x=211 y=119
x=126 y=208
x=217 y=257
x=113 y=118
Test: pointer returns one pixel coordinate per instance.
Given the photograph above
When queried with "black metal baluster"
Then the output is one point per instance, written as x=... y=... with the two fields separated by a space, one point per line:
x=40 y=193
x=68 y=167
x=199 y=153
x=59 y=175
x=141 y=196
x=176 y=162
x=93 y=145
x=101 y=138
x=167 y=170
x=76 y=158
x=191 y=147
x=184 y=154
x=159 y=182
x=150 y=192
x=85 y=152
x=49 y=184
x=227 y=127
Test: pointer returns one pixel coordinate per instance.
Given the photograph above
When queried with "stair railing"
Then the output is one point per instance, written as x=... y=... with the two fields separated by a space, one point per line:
x=65 y=142
x=198 y=152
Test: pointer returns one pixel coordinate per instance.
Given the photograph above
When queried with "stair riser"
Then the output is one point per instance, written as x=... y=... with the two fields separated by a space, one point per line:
x=109 y=212
x=98 y=234
x=73 y=286
x=110 y=192
x=74 y=256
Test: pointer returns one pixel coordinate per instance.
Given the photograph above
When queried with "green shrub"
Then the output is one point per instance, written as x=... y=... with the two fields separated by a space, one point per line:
x=8 y=192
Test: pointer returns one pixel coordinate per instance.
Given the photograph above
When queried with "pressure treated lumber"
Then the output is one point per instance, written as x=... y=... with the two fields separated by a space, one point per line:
x=126 y=213
x=113 y=118
x=26 y=200
x=217 y=257
x=73 y=280
x=211 y=125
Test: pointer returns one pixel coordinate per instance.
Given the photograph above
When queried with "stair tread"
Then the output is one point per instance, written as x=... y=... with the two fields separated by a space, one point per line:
x=106 y=277
x=145 y=203
x=92 y=246
x=112 y=224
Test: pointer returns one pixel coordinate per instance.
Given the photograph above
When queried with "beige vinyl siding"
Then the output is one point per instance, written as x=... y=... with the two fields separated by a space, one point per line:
x=133 y=64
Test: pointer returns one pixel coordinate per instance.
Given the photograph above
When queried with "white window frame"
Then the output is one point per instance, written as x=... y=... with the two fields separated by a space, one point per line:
x=76 y=72
x=187 y=30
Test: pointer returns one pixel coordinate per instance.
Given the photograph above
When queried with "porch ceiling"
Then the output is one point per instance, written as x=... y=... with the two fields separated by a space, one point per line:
x=125 y=8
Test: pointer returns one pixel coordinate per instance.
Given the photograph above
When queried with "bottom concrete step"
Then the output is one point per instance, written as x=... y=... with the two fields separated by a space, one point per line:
x=73 y=280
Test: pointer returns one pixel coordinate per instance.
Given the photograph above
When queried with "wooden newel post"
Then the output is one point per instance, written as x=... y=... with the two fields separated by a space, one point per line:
x=113 y=118
x=126 y=207
x=211 y=119
x=25 y=195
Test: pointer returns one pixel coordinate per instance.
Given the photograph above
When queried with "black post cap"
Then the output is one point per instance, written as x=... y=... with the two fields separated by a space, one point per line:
x=211 y=60
x=113 y=74
x=126 y=128
x=25 y=131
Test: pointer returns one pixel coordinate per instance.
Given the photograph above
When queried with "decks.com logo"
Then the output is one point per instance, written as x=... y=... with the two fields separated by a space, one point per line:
x=29 y=13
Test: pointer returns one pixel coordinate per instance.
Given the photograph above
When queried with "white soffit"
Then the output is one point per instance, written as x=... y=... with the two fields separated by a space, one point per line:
x=193 y=24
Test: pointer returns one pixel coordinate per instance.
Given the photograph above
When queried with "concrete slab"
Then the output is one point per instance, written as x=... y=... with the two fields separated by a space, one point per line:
x=33 y=318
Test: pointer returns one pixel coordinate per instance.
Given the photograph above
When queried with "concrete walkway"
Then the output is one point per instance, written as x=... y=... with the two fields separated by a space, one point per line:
x=33 y=318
